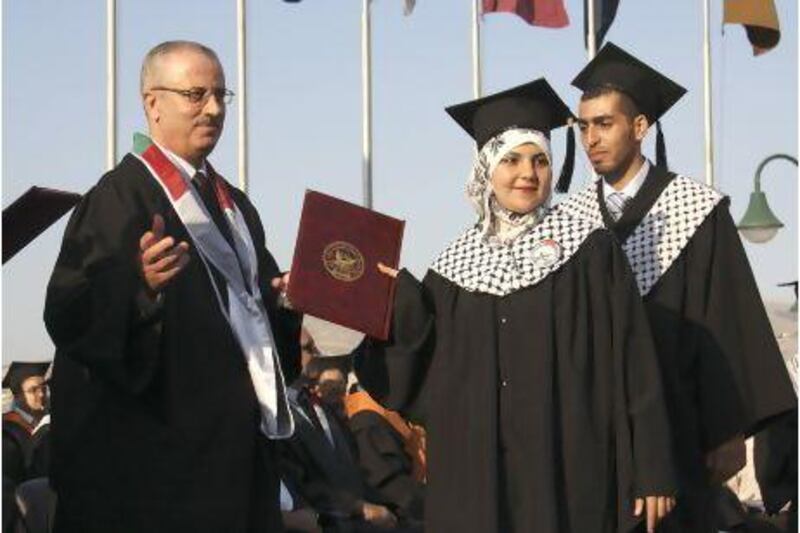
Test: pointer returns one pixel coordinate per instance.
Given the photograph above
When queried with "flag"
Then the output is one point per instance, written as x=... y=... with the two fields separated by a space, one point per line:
x=604 y=13
x=547 y=13
x=760 y=20
x=408 y=6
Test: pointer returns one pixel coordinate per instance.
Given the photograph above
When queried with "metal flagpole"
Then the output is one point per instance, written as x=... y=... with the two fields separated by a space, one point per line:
x=476 y=49
x=111 y=84
x=707 y=93
x=242 y=88
x=591 y=38
x=366 y=106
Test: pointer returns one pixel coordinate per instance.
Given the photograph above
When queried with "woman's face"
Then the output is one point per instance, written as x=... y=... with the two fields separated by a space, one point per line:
x=521 y=181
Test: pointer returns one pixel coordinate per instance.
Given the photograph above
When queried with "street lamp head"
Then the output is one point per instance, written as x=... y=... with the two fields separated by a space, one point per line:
x=759 y=224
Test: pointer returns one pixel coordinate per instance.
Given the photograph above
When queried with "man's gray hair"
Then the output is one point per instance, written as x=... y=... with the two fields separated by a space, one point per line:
x=159 y=51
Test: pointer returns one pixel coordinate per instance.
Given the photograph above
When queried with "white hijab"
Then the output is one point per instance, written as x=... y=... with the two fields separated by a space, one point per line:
x=500 y=226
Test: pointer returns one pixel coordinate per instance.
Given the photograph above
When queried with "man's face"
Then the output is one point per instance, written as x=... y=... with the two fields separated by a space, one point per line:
x=34 y=392
x=308 y=348
x=190 y=129
x=331 y=387
x=611 y=137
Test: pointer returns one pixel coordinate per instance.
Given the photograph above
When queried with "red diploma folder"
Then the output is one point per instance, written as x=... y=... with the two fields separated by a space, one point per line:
x=334 y=272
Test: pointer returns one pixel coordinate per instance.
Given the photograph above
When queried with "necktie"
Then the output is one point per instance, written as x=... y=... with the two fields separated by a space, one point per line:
x=205 y=186
x=616 y=202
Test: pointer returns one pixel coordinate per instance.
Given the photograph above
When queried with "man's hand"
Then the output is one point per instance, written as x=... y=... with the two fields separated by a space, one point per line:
x=378 y=515
x=389 y=271
x=657 y=508
x=160 y=259
x=726 y=460
x=281 y=286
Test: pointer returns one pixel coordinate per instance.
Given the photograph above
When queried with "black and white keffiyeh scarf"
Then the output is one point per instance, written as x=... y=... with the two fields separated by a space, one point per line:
x=530 y=247
x=664 y=231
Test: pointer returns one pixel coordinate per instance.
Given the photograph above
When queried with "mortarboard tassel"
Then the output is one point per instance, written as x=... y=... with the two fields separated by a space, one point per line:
x=661 y=147
x=565 y=178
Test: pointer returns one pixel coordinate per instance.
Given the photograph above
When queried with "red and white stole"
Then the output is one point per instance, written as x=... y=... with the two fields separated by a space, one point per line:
x=245 y=311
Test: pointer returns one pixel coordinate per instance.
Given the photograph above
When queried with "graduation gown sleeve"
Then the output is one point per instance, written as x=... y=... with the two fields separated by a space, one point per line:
x=393 y=372
x=97 y=310
x=744 y=380
x=643 y=431
x=384 y=462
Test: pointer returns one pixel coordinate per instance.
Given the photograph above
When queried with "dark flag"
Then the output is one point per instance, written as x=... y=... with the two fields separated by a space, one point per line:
x=31 y=214
x=604 y=13
x=760 y=20
x=547 y=13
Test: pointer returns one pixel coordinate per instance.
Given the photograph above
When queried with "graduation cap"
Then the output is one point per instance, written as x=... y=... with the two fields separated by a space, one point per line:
x=19 y=371
x=792 y=284
x=533 y=105
x=652 y=92
x=32 y=213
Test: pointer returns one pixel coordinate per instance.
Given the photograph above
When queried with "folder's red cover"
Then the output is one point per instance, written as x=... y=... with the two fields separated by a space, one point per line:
x=334 y=272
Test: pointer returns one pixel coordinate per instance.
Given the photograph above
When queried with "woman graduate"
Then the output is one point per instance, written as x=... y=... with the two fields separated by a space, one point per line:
x=527 y=351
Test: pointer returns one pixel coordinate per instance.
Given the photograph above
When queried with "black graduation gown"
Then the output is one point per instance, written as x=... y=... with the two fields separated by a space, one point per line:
x=723 y=371
x=154 y=416
x=327 y=477
x=543 y=408
x=386 y=465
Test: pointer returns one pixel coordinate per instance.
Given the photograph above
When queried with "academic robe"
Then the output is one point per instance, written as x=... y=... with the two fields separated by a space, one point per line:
x=542 y=406
x=326 y=475
x=386 y=465
x=155 y=422
x=723 y=371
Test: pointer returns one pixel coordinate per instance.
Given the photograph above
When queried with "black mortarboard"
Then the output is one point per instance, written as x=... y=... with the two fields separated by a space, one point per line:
x=533 y=105
x=652 y=92
x=31 y=214
x=792 y=284
x=19 y=371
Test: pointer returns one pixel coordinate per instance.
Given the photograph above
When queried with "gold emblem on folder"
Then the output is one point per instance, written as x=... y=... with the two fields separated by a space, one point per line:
x=343 y=261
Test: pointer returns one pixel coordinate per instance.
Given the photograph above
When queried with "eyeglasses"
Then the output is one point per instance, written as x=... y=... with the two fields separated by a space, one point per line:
x=200 y=95
x=35 y=389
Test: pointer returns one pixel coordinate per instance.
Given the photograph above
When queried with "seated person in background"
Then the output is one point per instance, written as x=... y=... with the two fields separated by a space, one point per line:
x=391 y=453
x=26 y=381
x=320 y=461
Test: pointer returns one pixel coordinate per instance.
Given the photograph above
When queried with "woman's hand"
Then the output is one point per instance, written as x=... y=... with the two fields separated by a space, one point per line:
x=389 y=271
x=656 y=507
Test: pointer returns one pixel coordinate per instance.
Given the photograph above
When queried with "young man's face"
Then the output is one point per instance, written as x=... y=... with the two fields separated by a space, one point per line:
x=611 y=137
x=34 y=391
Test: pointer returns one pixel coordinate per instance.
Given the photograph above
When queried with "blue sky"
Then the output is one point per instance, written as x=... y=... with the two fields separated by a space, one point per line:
x=304 y=108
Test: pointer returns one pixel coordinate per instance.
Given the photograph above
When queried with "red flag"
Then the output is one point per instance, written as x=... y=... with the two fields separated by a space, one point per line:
x=547 y=13
x=760 y=20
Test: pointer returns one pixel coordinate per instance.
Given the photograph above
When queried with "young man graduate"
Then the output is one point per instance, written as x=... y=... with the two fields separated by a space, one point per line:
x=167 y=385
x=723 y=373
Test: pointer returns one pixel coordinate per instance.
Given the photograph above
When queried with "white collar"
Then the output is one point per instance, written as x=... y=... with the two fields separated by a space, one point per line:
x=633 y=186
x=187 y=170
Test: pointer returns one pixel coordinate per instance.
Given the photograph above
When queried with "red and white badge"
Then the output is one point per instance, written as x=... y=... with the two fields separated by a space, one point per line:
x=546 y=253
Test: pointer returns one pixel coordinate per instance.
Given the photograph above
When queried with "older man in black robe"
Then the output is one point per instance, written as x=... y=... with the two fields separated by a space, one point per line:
x=167 y=386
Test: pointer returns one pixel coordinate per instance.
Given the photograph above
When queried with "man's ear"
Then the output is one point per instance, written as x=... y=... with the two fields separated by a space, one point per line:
x=151 y=106
x=640 y=126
